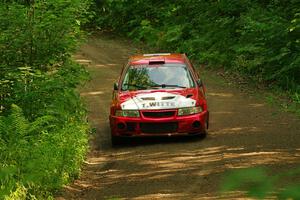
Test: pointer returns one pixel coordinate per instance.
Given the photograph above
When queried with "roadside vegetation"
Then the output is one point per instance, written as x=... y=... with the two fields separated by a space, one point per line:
x=43 y=126
x=259 y=183
x=257 y=39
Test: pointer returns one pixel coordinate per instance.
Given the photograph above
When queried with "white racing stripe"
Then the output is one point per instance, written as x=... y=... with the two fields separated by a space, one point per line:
x=157 y=100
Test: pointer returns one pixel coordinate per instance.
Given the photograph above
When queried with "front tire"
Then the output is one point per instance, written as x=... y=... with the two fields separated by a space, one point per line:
x=205 y=131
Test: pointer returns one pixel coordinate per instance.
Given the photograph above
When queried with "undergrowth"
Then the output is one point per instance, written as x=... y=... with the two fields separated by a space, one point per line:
x=41 y=153
x=43 y=124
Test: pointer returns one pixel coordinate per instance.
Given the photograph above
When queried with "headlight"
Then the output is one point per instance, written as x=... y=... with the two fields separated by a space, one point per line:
x=189 y=111
x=127 y=113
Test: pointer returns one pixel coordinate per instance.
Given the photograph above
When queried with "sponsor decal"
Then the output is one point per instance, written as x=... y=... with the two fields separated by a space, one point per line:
x=157 y=100
x=158 y=104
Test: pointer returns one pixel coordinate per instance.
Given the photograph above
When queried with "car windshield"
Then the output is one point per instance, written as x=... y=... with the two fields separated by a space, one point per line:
x=141 y=77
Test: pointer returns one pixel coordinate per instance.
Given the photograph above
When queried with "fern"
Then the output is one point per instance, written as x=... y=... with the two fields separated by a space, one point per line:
x=41 y=124
x=42 y=151
x=2 y=125
x=17 y=121
x=14 y=126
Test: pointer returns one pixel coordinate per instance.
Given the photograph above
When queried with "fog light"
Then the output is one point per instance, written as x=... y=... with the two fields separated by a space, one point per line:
x=196 y=124
x=121 y=126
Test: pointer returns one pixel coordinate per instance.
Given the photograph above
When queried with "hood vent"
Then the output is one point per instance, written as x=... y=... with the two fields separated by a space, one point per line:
x=156 y=61
x=168 y=98
x=148 y=98
x=153 y=98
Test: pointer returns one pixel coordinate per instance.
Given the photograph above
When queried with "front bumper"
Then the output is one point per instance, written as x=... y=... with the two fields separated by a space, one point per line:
x=168 y=126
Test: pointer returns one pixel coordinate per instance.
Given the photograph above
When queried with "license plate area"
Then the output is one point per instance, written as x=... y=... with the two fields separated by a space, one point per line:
x=157 y=128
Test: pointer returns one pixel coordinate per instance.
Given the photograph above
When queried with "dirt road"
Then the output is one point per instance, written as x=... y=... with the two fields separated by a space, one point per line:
x=244 y=132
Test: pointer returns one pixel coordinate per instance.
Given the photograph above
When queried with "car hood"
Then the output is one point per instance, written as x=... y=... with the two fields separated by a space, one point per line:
x=158 y=99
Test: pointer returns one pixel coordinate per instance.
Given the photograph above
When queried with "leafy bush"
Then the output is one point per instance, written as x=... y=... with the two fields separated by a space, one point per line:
x=43 y=126
x=39 y=34
x=257 y=183
x=46 y=152
x=36 y=37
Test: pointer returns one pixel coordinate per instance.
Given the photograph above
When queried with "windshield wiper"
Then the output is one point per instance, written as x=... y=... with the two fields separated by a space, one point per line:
x=167 y=85
x=134 y=85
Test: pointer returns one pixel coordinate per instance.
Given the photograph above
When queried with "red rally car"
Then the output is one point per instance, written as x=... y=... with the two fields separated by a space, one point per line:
x=158 y=95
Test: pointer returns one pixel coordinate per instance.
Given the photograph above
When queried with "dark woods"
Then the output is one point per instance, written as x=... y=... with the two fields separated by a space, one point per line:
x=260 y=39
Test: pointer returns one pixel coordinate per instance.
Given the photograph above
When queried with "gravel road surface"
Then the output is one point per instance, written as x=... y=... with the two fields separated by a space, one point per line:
x=244 y=132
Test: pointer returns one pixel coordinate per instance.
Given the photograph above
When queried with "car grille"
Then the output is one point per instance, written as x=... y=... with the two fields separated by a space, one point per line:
x=159 y=114
x=169 y=127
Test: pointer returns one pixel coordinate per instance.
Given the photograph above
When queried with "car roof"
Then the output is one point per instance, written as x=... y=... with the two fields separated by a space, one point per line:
x=157 y=58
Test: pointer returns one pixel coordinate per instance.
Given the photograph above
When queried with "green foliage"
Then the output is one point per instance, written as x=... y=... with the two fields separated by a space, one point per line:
x=258 y=184
x=43 y=126
x=41 y=34
x=46 y=152
x=256 y=38
x=36 y=37
x=253 y=180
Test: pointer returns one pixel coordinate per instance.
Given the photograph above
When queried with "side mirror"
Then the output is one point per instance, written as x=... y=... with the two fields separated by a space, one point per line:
x=199 y=82
x=116 y=86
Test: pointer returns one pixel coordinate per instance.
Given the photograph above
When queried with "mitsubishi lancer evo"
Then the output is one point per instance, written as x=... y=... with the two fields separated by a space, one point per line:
x=158 y=95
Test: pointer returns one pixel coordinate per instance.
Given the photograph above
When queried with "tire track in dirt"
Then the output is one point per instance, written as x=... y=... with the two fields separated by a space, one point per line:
x=244 y=132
